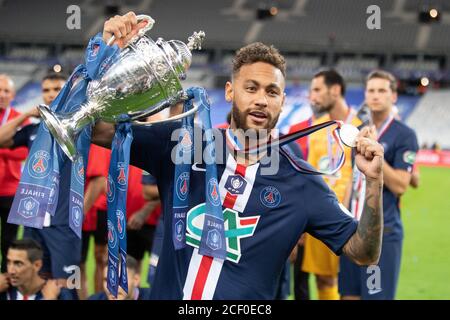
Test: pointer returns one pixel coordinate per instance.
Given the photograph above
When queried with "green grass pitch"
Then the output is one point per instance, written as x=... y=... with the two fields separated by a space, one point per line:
x=425 y=269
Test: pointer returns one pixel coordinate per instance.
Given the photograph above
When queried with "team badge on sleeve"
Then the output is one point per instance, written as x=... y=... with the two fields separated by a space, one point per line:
x=409 y=157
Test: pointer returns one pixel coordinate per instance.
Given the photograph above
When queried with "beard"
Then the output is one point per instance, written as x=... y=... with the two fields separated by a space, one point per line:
x=240 y=119
x=253 y=136
x=322 y=108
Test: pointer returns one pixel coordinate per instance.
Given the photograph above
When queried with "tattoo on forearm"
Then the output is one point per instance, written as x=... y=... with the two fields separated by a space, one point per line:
x=365 y=245
x=371 y=224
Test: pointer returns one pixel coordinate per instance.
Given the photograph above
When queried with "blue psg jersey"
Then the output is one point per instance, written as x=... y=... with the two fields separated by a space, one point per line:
x=264 y=216
x=400 y=148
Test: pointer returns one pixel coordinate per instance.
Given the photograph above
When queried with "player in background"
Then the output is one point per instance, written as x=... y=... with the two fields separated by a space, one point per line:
x=327 y=97
x=400 y=146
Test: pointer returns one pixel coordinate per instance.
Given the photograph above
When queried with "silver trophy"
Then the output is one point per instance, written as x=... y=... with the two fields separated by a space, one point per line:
x=144 y=80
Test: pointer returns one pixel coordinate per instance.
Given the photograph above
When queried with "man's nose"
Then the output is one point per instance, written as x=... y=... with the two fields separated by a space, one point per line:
x=261 y=99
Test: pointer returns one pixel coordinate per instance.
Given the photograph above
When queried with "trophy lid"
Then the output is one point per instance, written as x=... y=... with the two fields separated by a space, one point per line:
x=180 y=52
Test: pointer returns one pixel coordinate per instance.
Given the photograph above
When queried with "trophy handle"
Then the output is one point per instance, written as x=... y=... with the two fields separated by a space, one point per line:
x=177 y=117
x=141 y=17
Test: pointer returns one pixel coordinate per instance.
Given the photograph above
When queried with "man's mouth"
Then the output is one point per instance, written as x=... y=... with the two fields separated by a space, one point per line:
x=258 y=116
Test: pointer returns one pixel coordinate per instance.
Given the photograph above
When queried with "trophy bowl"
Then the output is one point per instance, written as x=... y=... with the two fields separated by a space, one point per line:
x=144 y=79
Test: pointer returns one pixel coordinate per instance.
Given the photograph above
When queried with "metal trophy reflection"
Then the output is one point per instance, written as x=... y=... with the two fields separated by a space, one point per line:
x=144 y=80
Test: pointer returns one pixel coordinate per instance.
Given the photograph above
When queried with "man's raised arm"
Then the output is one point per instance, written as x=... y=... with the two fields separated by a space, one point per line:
x=123 y=28
x=364 y=247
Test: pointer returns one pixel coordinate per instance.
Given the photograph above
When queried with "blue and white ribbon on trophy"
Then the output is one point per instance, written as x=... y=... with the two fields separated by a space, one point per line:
x=183 y=160
x=212 y=242
x=117 y=202
x=38 y=191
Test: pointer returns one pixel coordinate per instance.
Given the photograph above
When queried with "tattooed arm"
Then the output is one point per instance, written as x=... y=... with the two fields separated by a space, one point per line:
x=364 y=247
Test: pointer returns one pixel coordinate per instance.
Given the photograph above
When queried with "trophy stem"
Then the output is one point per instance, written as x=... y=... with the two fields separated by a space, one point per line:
x=65 y=129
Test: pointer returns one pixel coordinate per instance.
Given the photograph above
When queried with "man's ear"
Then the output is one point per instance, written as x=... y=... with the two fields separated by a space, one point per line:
x=394 y=97
x=335 y=91
x=229 y=91
x=37 y=265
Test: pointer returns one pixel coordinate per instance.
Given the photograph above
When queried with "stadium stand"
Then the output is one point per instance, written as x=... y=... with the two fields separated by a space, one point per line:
x=29 y=49
x=431 y=119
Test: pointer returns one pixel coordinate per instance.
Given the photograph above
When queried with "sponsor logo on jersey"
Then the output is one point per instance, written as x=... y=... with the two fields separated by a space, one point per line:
x=236 y=229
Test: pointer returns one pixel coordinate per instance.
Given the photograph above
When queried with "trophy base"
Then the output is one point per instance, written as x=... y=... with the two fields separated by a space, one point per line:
x=58 y=131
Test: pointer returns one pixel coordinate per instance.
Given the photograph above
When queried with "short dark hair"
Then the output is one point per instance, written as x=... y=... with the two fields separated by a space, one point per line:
x=132 y=264
x=381 y=74
x=331 y=77
x=259 y=52
x=32 y=247
x=55 y=76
